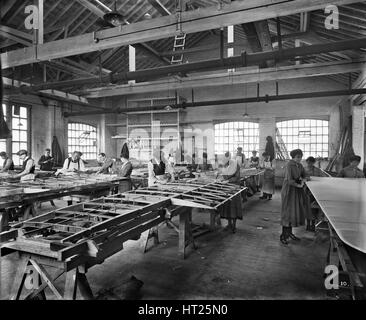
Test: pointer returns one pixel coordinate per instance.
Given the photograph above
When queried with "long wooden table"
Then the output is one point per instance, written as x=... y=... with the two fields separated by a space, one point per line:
x=343 y=202
x=26 y=194
x=77 y=237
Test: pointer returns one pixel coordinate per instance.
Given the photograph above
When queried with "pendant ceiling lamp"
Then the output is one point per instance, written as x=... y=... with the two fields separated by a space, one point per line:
x=114 y=17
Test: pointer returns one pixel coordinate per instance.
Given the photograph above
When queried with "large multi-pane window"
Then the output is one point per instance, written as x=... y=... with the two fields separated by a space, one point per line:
x=3 y=141
x=19 y=123
x=309 y=135
x=230 y=135
x=82 y=137
x=18 y=116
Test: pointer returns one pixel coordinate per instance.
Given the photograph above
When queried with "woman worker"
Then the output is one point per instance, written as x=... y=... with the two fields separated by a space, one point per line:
x=268 y=186
x=254 y=163
x=232 y=210
x=295 y=205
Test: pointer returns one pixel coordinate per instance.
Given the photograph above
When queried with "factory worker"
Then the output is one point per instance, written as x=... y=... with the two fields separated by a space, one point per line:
x=240 y=157
x=46 y=161
x=157 y=168
x=74 y=163
x=8 y=164
x=229 y=169
x=105 y=162
x=352 y=171
x=28 y=167
x=268 y=185
x=126 y=168
x=295 y=203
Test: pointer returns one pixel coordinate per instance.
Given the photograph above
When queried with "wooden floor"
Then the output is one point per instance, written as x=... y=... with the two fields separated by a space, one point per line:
x=250 y=264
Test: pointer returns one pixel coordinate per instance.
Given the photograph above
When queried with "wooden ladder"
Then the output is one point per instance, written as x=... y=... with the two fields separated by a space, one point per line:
x=179 y=44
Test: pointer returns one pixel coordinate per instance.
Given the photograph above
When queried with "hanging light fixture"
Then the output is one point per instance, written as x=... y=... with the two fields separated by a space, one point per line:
x=246 y=115
x=147 y=16
x=114 y=17
x=168 y=108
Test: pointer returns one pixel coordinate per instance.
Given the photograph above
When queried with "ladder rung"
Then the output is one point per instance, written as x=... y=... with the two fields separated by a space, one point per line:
x=179 y=44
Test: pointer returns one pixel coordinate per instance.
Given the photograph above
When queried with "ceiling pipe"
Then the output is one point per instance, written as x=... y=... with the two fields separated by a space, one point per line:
x=210 y=103
x=243 y=60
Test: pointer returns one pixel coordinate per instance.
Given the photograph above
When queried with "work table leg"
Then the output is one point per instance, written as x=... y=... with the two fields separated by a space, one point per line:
x=185 y=232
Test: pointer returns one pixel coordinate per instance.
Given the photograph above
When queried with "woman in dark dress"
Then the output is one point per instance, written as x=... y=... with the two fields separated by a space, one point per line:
x=295 y=205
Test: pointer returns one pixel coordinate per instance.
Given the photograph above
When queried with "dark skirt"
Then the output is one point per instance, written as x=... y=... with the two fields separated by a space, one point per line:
x=232 y=209
x=268 y=182
x=295 y=206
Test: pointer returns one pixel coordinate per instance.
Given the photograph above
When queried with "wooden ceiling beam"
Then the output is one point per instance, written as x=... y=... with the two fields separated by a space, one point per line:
x=50 y=10
x=15 y=38
x=6 y=10
x=135 y=8
x=17 y=33
x=159 y=28
x=252 y=75
x=7 y=43
x=6 y=5
x=87 y=4
x=159 y=7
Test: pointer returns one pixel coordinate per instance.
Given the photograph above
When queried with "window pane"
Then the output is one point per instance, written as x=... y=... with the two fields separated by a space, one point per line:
x=243 y=134
x=312 y=136
x=82 y=137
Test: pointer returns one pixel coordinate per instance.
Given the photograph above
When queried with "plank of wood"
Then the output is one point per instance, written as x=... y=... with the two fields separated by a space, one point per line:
x=19 y=278
x=46 y=277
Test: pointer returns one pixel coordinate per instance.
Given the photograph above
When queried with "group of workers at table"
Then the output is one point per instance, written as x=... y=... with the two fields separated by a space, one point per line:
x=72 y=164
x=296 y=199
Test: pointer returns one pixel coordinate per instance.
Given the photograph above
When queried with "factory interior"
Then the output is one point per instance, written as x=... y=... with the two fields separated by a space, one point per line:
x=183 y=150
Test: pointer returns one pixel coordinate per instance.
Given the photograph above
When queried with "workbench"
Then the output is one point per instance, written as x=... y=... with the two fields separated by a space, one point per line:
x=75 y=238
x=343 y=202
x=29 y=193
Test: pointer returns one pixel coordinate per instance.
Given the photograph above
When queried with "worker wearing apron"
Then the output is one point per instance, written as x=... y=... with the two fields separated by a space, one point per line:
x=268 y=178
x=295 y=204
x=28 y=167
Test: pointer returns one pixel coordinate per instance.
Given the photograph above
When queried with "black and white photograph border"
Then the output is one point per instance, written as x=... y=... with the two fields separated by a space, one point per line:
x=182 y=154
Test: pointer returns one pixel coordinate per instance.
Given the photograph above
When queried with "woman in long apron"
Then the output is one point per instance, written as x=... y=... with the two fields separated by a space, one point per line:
x=268 y=185
x=295 y=205
x=231 y=210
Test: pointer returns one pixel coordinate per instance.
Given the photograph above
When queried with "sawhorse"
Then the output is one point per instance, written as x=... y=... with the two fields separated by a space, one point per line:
x=31 y=274
x=337 y=256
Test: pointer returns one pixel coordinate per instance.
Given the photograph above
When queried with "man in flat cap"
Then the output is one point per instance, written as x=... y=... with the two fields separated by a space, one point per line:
x=28 y=167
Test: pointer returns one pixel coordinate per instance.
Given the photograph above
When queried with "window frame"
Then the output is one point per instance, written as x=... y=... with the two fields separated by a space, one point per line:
x=319 y=137
x=225 y=138
x=9 y=120
x=71 y=147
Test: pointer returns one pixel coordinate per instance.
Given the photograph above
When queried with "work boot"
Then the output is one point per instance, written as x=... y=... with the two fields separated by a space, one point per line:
x=284 y=236
x=312 y=227
x=292 y=236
